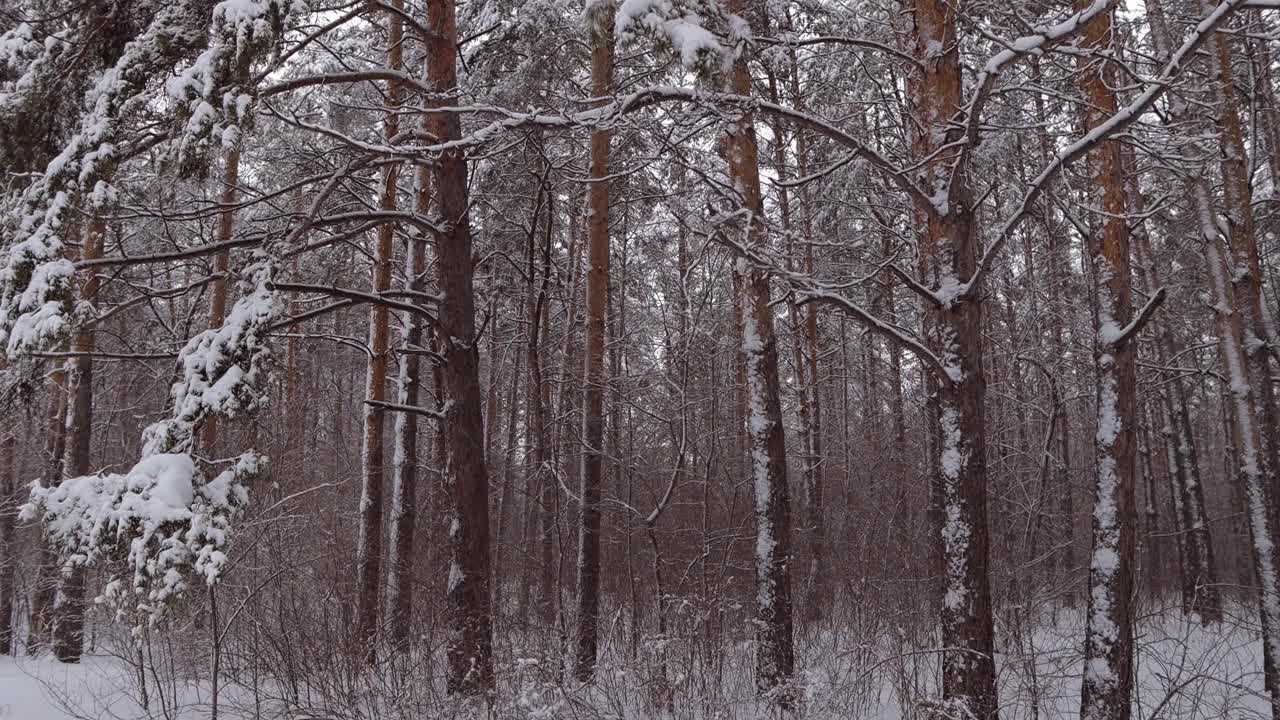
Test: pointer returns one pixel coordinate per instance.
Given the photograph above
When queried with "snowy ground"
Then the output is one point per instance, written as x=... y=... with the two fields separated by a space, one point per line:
x=1185 y=672
x=42 y=689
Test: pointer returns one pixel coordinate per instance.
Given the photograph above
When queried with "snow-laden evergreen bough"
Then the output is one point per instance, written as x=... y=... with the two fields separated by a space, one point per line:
x=209 y=97
x=164 y=521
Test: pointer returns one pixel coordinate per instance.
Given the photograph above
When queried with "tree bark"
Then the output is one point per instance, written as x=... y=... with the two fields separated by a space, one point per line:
x=69 y=605
x=1107 y=685
x=404 y=478
x=1247 y=424
x=948 y=249
x=1199 y=571
x=1243 y=243
x=775 y=654
x=470 y=644
x=41 y=623
x=221 y=267
x=8 y=545
x=540 y=481
x=369 y=548
x=600 y=20
x=810 y=447
x=1248 y=346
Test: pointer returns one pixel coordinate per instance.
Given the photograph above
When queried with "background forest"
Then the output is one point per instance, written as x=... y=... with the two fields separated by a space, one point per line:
x=653 y=358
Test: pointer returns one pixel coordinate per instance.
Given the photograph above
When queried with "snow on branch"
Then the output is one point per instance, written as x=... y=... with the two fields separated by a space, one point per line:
x=1112 y=335
x=1038 y=42
x=894 y=333
x=213 y=92
x=221 y=369
x=682 y=26
x=1122 y=118
x=159 y=519
x=36 y=294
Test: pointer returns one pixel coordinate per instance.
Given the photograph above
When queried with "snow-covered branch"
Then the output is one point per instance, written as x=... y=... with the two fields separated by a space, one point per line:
x=1038 y=42
x=894 y=333
x=159 y=519
x=1122 y=118
x=1115 y=336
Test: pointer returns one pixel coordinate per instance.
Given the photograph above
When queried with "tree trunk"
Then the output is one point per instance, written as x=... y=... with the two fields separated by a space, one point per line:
x=540 y=481
x=1106 y=690
x=813 y=582
x=1246 y=264
x=1199 y=572
x=470 y=644
x=369 y=547
x=600 y=19
x=218 y=301
x=1247 y=425
x=1248 y=353
x=39 y=632
x=775 y=655
x=404 y=478
x=1058 y=273
x=815 y=477
x=948 y=249
x=69 y=605
x=8 y=546
x=1253 y=472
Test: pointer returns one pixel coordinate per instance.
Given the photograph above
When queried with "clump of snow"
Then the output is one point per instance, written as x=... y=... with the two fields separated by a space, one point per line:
x=682 y=26
x=956 y=531
x=159 y=520
x=212 y=92
x=221 y=368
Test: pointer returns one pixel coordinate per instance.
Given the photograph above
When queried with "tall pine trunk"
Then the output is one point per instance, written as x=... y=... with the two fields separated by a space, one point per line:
x=1107 y=684
x=600 y=25
x=1199 y=572
x=470 y=644
x=1242 y=237
x=404 y=477
x=1256 y=437
x=221 y=268
x=540 y=481
x=948 y=249
x=1246 y=424
x=39 y=632
x=8 y=545
x=775 y=653
x=69 y=605
x=369 y=542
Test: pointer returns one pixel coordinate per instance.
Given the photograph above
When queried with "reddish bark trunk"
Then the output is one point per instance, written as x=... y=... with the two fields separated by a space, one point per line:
x=69 y=605
x=470 y=644
x=775 y=654
x=949 y=248
x=1107 y=685
x=601 y=21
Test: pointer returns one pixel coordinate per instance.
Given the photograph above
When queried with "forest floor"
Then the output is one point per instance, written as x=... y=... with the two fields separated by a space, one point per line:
x=1184 y=672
